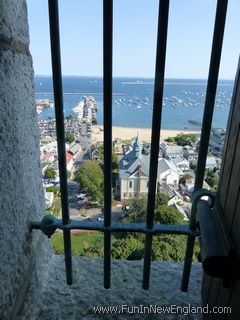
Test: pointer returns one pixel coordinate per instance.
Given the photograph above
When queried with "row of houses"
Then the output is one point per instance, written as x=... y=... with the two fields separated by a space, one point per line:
x=49 y=159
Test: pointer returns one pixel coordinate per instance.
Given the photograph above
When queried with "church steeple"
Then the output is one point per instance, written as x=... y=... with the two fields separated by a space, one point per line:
x=137 y=148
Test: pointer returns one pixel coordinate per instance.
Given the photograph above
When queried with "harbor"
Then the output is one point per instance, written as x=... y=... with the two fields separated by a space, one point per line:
x=132 y=105
x=42 y=104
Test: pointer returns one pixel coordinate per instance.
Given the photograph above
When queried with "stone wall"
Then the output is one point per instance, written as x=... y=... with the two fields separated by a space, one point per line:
x=58 y=301
x=21 y=195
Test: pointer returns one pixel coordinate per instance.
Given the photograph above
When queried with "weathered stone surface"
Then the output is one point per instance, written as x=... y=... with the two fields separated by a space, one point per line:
x=13 y=20
x=20 y=176
x=58 y=301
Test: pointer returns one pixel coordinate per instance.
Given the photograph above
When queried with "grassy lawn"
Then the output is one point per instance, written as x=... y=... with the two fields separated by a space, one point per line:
x=80 y=241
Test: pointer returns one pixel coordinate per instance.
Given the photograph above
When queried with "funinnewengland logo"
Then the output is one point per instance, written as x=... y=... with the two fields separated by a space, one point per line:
x=156 y=309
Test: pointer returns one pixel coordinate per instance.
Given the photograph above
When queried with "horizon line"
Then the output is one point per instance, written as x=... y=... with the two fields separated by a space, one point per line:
x=140 y=77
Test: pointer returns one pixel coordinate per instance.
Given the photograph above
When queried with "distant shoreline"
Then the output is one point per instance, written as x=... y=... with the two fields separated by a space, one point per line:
x=130 y=77
x=126 y=133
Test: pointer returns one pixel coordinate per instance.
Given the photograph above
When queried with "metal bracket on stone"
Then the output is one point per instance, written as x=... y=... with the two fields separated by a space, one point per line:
x=48 y=225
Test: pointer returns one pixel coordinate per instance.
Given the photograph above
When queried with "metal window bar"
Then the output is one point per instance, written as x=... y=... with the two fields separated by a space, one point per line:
x=49 y=224
x=217 y=42
x=107 y=116
x=58 y=102
x=156 y=127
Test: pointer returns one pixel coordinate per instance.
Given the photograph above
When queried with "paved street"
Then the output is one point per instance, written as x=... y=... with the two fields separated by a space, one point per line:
x=93 y=213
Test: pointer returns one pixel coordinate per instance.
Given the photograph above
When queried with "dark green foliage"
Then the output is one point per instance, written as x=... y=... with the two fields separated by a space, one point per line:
x=161 y=199
x=181 y=139
x=93 y=252
x=169 y=248
x=129 y=248
x=211 y=178
x=185 y=139
x=69 y=137
x=137 y=209
x=90 y=176
x=168 y=215
x=53 y=189
x=170 y=139
x=100 y=156
x=68 y=174
x=138 y=206
x=50 y=173
x=69 y=117
x=114 y=162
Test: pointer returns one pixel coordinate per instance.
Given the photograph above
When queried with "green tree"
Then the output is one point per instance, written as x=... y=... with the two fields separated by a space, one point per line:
x=100 y=155
x=114 y=162
x=168 y=215
x=161 y=199
x=69 y=137
x=53 y=189
x=90 y=176
x=211 y=178
x=50 y=173
x=169 y=248
x=170 y=139
x=137 y=209
x=129 y=248
x=69 y=117
x=68 y=174
x=186 y=139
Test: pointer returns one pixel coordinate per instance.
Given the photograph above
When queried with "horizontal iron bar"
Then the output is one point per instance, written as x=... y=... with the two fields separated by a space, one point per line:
x=115 y=227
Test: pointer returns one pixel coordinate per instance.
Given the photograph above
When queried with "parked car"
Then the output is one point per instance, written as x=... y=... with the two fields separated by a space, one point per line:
x=100 y=219
x=81 y=202
x=81 y=195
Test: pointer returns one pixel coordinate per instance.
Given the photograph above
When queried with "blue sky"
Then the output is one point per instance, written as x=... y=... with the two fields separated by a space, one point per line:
x=190 y=33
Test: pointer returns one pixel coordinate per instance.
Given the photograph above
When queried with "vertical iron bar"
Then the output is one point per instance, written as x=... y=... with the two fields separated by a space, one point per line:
x=156 y=126
x=58 y=102
x=107 y=117
x=218 y=34
x=220 y=18
x=187 y=263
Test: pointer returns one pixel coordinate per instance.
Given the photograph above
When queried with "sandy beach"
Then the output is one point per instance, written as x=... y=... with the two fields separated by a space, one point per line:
x=129 y=133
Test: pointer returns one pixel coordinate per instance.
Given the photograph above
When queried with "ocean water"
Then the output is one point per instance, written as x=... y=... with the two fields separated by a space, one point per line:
x=133 y=100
